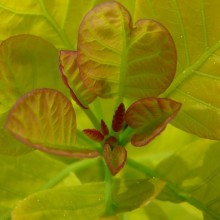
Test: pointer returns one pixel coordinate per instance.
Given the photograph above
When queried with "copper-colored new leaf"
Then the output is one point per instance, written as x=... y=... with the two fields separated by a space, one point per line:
x=45 y=119
x=94 y=134
x=149 y=118
x=71 y=77
x=116 y=57
x=115 y=159
x=118 y=118
x=104 y=128
x=112 y=141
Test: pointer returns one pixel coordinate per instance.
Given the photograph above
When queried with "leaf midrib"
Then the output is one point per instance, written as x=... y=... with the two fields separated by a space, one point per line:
x=123 y=67
x=172 y=187
x=187 y=73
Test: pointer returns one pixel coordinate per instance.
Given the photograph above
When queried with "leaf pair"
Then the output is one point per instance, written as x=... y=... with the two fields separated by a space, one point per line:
x=148 y=118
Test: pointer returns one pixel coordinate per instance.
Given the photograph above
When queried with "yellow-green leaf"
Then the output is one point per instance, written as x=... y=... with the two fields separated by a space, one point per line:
x=27 y=62
x=85 y=201
x=9 y=145
x=195 y=29
x=23 y=175
x=56 y=21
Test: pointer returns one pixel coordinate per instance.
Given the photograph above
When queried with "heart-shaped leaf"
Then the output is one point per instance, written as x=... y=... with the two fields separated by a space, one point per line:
x=116 y=58
x=45 y=120
x=115 y=158
x=195 y=29
x=71 y=78
x=149 y=118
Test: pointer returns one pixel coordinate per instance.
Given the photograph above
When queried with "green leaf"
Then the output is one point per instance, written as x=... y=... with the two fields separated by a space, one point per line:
x=149 y=118
x=21 y=176
x=196 y=34
x=83 y=202
x=188 y=164
x=26 y=63
x=116 y=58
x=54 y=21
x=158 y=210
x=128 y=195
x=71 y=77
x=8 y=144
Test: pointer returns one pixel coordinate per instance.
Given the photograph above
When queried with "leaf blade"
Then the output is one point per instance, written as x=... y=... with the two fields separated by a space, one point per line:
x=45 y=109
x=85 y=201
x=106 y=45
x=149 y=117
x=25 y=66
x=70 y=74
x=115 y=158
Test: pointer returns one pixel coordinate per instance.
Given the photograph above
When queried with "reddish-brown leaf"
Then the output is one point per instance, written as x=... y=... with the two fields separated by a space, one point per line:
x=94 y=134
x=115 y=159
x=116 y=56
x=112 y=141
x=104 y=128
x=71 y=78
x=118 y=118
x=149 y=117
x=73 y=95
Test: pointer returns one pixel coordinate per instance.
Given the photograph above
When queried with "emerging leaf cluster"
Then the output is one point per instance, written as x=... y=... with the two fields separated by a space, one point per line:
x=76 y=94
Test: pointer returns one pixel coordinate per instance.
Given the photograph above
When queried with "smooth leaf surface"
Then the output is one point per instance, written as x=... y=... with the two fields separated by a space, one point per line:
x=116 y=57
x=118 y=118
x=21 y=176
x=196 y=42
x=83 y=202
x=115 y=158
x=8 y=144
x=188 y=164
x=71 y=77
x=26 y=63
x=149 y=118
x=158 y=210
x=194 y=27
x=44 y=119
x=51 y=20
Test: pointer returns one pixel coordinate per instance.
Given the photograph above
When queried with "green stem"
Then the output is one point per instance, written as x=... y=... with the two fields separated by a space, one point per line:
x=108 y=191
x=92 y=118
x=126 y=136
x=177 y=191
x=65 y=172
x=60 y=176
